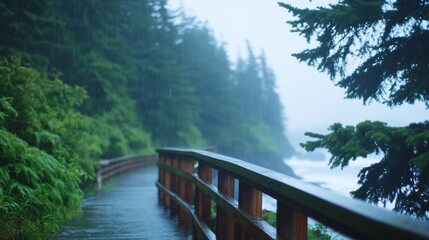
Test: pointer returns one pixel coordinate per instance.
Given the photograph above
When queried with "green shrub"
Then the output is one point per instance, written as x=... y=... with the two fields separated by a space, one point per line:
x=42 y=142
x=37 y=191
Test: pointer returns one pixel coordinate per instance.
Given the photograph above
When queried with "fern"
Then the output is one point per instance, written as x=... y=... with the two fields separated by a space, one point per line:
x=37 y=191
x=45 y=153
x=6 y=109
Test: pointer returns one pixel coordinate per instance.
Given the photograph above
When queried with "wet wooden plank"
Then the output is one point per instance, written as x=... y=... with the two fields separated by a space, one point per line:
x=225 y=223
x=290 y=223
x=186 y=191
x=203 y=202
x=250 y=200
x=174 y=208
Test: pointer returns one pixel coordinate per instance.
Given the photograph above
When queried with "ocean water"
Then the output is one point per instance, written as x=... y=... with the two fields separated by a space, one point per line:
x=337 y=180
x=341 y=181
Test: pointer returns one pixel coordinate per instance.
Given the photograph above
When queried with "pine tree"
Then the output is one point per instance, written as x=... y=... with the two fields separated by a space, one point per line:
x=254 y=95
x=388 y=41
x=272 y=108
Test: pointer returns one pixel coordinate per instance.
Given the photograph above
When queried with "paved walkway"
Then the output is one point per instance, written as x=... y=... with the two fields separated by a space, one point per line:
x=128 y=209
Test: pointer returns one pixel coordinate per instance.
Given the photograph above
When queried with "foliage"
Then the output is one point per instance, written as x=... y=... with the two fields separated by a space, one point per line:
x=259 y=120
x=47 y=116
x=38 y=192
x=318 y=232
x=375 y=50
x=402 y=174
x=269 y=217
x=387 y=38
x=151 y=74
x=40 y=170
x=134 y=76
x=213 y=214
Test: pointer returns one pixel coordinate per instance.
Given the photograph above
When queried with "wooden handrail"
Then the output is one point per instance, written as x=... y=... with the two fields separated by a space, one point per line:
x=296 y=201
x=113 y=167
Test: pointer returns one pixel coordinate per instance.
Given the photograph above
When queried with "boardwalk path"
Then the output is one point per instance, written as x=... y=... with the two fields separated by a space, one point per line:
x=129 y=210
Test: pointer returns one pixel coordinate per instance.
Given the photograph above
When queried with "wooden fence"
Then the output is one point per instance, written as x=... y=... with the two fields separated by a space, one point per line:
x=186 y=188
x=116 y=166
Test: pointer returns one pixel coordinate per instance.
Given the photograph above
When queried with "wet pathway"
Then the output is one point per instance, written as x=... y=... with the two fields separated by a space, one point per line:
x=127 y=209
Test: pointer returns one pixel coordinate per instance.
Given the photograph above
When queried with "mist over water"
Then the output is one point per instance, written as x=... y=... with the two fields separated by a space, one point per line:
x=340 y=181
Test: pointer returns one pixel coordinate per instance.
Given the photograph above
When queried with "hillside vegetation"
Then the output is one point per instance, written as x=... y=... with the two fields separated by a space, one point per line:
x=85 y=80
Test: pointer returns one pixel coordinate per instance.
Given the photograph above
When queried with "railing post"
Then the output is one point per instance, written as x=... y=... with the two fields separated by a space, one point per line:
x=174 y=186
x=186 y=192
x=161 y=176
x=167 y=181
x=290 y=223
x=202 y=201
x=249 y=199
x=224 y=223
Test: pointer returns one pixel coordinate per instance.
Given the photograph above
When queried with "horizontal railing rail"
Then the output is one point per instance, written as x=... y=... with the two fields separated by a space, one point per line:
x=186 y=188
x=113 y=167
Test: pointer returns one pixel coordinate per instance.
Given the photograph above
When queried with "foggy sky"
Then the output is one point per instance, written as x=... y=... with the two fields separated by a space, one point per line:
x=312 y=102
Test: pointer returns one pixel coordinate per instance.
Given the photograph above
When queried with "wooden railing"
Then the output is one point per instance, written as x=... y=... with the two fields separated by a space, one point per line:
x=112 y=167
x=185 y=187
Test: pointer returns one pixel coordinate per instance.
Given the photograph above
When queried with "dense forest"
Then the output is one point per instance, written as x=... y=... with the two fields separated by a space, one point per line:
x=85 y=80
